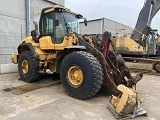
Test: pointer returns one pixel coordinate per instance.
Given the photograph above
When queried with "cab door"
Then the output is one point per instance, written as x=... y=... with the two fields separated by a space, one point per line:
x=47 y=38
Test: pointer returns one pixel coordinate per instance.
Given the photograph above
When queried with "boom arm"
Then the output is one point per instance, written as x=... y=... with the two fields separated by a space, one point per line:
x=150 y=8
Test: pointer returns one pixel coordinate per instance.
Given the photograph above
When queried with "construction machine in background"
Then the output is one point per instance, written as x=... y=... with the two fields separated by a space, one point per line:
x=144 y=43
x=82 y=67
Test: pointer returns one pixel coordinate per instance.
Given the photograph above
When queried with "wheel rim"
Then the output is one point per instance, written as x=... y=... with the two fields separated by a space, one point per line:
x=24 y=66
x=75 y=76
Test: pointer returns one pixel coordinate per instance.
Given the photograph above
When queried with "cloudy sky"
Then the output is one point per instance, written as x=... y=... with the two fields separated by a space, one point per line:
x=123 y=11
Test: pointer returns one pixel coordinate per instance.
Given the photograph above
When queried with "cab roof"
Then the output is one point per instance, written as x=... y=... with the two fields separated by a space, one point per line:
x=60 y=7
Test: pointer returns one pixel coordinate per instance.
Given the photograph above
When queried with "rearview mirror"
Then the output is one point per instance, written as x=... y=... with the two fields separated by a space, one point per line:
x=85 y=21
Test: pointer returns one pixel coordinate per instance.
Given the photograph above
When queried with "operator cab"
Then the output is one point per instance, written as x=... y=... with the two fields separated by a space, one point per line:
x=56 y=22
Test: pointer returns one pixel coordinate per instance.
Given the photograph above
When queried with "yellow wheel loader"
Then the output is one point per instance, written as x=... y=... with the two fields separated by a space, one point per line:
x=58 y=47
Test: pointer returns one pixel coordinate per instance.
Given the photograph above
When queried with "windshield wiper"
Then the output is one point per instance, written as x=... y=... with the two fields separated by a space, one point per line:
x=68 y=28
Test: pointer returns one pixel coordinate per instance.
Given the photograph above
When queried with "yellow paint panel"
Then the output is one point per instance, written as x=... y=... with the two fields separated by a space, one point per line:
x=68 y=41
x=133 y=46
x=127 y=43
x=119 y=42
x=27 y=40
x=126 y=103
x=49 y=10
x=46 y=43
x=37 y=48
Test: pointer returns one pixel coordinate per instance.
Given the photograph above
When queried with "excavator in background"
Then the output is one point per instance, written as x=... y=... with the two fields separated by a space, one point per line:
x=82 y=67
x=144 y=43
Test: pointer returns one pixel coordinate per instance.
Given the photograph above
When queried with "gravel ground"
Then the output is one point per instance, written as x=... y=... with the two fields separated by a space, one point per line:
x=52 y=103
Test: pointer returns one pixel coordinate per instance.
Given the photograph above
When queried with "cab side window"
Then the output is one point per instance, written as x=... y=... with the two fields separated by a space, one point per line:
x=60 y=29
x=48 y=24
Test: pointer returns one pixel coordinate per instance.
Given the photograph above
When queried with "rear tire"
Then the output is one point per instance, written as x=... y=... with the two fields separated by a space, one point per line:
x=27 y=68
x=81 y=75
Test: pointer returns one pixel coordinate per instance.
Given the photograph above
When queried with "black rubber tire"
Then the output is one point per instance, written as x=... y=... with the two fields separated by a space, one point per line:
x=33 y=75
x=92 y=72
x=155 y=68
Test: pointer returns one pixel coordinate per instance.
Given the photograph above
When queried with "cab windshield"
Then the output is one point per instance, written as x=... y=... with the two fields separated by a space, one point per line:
x=58 y=23
x=67 y=21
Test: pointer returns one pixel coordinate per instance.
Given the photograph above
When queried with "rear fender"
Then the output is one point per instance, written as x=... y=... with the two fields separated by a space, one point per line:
x=28 y=47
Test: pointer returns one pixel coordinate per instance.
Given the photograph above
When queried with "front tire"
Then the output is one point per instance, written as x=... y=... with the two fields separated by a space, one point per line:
x=81 y=74
x=27 y=67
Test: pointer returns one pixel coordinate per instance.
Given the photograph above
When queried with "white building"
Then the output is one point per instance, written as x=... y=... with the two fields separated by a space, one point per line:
x=98 y=26
x=16 y=17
